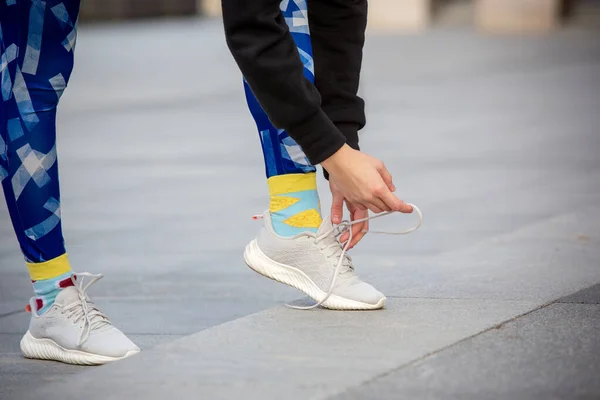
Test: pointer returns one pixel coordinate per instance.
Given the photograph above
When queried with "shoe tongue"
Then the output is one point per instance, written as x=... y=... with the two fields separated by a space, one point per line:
x=326 y=226
x=67 y=296
x=70 y=295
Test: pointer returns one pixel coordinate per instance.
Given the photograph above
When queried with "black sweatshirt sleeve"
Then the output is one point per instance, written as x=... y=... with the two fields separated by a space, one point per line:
x=265 y=52
x=337 y=31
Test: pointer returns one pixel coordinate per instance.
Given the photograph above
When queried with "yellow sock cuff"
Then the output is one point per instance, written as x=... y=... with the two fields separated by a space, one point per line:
x=49 y=269
x=289 y=183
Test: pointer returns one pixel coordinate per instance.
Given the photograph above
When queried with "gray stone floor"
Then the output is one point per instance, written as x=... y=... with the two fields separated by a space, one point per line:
x=495 y=138
x=551 y=353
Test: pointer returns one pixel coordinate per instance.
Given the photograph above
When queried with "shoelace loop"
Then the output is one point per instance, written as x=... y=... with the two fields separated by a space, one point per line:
x=83 y=308
x=334 y=249
x=342 y=227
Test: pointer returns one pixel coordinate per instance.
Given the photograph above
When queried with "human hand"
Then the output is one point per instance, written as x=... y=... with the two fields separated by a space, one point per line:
x=363 y=181
x=359 y=230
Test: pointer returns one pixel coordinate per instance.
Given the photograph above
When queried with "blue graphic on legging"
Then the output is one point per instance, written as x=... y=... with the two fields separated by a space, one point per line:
x=282 y=154
x=37 y=39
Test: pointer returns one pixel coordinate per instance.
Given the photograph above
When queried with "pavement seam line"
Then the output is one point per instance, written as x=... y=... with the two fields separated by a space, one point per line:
x=505 y=235
x=455 y=298
x=8 y=314
x=425 y=356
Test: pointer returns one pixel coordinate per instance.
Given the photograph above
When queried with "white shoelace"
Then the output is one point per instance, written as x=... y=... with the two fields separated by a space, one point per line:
x=93 y=318
x=340 y=251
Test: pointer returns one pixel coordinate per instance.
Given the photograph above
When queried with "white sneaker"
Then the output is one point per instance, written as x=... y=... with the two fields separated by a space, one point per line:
x=75 y=331
x=308 y=262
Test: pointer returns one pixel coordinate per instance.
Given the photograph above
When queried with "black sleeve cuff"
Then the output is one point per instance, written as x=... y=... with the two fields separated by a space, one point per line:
x=350 y=131
x=318 y=137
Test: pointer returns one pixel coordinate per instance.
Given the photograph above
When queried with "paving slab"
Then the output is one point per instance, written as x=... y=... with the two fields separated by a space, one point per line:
x=17 y=373
x=302 y=354
x=540 y=262
x=589 y=295
x=552 y=353
x=416 y=336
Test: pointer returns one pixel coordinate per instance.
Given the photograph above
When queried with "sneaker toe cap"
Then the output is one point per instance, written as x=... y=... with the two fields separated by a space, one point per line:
x=110 y=343
x=362 y=292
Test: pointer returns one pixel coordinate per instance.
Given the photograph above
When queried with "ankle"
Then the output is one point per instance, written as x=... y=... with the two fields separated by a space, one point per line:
x=294 y=204
x=48 y=279
x=46 y=290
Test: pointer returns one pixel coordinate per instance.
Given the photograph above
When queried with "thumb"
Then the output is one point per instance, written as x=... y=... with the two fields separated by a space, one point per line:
x=337 y=207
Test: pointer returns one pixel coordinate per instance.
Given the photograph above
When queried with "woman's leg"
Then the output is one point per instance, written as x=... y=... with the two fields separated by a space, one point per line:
x=294 y=201
x=38 y=40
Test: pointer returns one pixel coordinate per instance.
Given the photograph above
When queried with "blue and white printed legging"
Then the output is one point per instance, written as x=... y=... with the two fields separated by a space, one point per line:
x=281 y=153
x=37 y=40
x=294 y=203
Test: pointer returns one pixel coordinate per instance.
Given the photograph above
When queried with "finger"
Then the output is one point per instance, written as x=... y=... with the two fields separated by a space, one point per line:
x=355 y=213
x=344 y=238
x=359 y=230
x=356 y=239
x=395 y=204
x=378 y=192
x=406 y=208
x=359 y=206
x=337 y=207
x=377 y=205
x=387 y=177
x=372 y=207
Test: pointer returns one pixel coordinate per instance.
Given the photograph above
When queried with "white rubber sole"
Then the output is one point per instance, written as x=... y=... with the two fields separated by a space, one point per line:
x=260 y=263
x=47 y=349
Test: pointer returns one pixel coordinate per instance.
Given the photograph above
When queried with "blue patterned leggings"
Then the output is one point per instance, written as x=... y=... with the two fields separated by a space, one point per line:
x=37 y=39
x=282 y=154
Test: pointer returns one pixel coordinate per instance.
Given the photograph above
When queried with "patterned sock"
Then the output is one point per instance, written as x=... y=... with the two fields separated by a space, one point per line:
x=48 y=279
x=294 y=203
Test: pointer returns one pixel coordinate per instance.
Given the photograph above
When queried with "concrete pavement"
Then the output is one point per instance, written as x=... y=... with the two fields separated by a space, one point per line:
x=496 y=139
